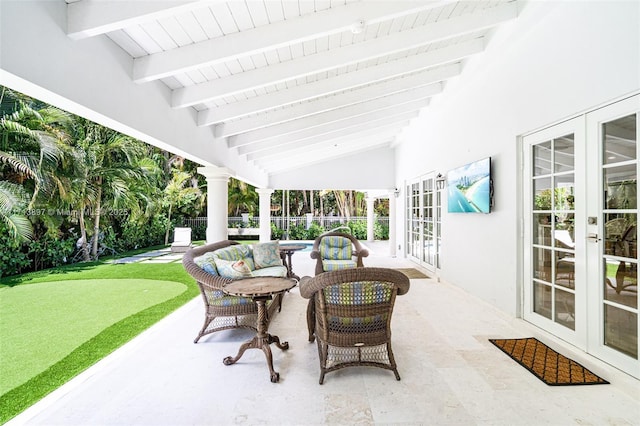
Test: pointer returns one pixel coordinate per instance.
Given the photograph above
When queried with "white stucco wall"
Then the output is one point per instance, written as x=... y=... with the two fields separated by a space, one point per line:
x=556 y=60
x=368 y=170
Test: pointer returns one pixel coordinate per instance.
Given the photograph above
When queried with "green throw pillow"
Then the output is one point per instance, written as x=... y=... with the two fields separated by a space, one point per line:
x=266 y=255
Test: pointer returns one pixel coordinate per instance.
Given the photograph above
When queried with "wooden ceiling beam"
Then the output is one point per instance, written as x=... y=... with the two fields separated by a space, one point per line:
x=273 y=36
x=342 y=56
x=90 y=18
x=308 y=123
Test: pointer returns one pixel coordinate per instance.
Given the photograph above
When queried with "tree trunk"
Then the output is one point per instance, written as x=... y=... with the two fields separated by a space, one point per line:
x=96 y=222
x=166 y=235
x=83 y=236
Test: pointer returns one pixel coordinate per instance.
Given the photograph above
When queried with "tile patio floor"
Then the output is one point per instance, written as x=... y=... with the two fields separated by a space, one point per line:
x=451 y=374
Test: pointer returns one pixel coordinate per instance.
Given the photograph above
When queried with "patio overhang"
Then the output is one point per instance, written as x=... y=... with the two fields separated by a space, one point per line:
x=338 y=100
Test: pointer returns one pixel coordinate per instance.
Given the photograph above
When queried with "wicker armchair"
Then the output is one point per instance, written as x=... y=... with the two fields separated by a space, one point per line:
x=336 y=250
x=222 y=311
x=352 y=316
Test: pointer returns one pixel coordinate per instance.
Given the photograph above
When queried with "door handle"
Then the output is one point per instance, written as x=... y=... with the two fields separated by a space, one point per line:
x=593 y=238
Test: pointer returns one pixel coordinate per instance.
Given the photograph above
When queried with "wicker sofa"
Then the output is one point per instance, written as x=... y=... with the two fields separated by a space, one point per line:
x=222 y=311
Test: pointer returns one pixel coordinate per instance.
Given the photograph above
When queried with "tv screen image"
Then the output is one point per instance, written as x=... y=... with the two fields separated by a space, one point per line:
x=469 y=188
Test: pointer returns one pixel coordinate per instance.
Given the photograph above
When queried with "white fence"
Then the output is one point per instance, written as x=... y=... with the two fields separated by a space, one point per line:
x=327 y=222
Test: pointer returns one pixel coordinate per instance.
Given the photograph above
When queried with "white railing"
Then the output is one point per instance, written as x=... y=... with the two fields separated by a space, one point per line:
x=327 y=222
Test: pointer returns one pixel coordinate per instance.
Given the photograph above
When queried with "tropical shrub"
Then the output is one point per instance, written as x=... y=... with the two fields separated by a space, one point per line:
x=199 y=232
x=12 y=259
x=381 y=231
x=47 y=252
x=314 y=231
x=298 y=232
x=358 y=229
x=276 y=233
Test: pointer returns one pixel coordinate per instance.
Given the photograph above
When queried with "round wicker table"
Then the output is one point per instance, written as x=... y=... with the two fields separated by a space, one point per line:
x=260 y=289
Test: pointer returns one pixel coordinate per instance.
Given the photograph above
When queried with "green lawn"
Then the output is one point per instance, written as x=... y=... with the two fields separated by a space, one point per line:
x=55 y=324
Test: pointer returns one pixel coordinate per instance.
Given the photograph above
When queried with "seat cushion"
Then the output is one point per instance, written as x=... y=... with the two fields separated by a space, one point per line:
x=266 y=255
x=335 y=248
x=335 y=265
x=273 y=271
x=219 y=298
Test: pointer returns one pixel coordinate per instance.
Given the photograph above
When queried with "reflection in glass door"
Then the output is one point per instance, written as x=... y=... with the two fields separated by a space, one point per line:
x=423 y=221
x=553 y=236
x=414 y=230
x=580 y=255
x=614 y=292
x=428 y=222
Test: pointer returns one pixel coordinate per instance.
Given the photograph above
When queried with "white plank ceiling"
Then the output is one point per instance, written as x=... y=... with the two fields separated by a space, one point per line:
x=288 y=83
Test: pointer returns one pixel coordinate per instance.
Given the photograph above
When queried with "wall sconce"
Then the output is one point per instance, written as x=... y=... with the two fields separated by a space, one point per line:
x=396 y=192
x=441 y=181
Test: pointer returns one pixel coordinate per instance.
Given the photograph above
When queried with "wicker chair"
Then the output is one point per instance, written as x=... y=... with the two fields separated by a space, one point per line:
x=352 y=316
x=222 y=312
x=336 y=250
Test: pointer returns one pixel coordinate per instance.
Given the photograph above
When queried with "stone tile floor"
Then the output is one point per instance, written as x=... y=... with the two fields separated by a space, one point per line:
x=451 y=374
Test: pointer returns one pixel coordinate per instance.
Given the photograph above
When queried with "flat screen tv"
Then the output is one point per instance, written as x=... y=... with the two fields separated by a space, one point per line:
x=469 y=188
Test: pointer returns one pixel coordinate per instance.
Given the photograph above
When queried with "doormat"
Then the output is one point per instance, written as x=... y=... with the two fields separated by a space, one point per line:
x=412 y=273
x=546 y=364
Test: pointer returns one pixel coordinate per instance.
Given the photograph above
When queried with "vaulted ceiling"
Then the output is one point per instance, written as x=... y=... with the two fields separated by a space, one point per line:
x=290 y=83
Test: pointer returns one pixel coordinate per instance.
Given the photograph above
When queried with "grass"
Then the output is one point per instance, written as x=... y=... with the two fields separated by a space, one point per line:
x=57 y=308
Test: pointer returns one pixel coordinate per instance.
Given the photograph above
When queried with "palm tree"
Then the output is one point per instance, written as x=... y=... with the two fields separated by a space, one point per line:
x=13 y=198
x=242 y=197
x=113 y=171
x=176 y=190
x=30 y=151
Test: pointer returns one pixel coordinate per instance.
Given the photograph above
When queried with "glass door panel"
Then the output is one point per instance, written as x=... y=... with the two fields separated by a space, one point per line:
x=580 y=255
x=428 y=235
x=423 y=221
x=619 y=297
x=553 y=239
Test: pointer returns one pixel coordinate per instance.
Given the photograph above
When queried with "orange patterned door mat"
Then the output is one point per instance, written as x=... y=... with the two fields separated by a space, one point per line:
x=546 y=364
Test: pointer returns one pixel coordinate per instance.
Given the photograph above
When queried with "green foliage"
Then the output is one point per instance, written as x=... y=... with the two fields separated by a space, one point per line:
x=314 y=231
x=199 y=232
x=137 y=235
x=243 y=198
x=297 y=232
x=381 y=231
x=358 y=229
x=12 y=259
x=276 y=233
x=47 y=252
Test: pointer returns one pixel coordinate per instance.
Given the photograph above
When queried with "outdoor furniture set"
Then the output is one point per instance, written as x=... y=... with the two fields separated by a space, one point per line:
x=349 y=310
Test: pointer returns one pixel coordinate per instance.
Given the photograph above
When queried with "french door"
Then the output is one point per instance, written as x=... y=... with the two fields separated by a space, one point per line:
x=580 y=232
x=423 y=207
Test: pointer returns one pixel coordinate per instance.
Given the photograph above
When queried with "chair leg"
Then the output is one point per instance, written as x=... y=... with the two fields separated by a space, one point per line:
x=392 y=361
x=207 y=321
x=311 y=319
x=323 y=351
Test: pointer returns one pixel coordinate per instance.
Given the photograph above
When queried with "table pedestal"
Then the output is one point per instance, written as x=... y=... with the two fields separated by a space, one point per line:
x=262 y=340
x=287 y=251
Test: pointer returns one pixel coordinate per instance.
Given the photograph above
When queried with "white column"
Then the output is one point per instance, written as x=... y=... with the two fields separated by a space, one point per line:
x=265 y=213
x=392 y=223
x=217 y=201
x=370 y=232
